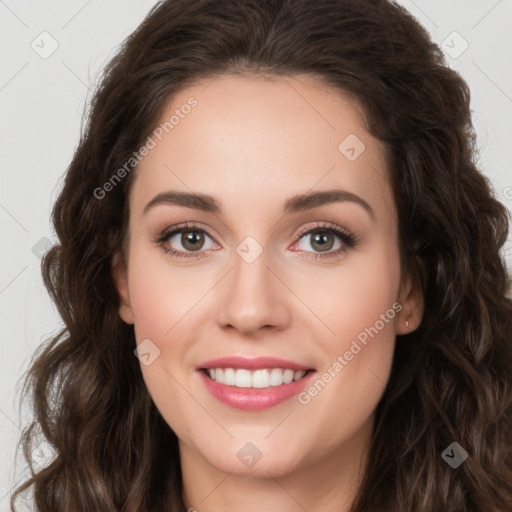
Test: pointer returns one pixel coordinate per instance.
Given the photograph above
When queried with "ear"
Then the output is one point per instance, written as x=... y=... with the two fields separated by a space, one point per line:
x=413 y=305
x=119 y=274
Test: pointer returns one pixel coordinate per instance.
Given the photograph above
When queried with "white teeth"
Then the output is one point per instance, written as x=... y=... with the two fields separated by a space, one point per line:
x=299 y=374
x=263 y=378
x=229 y=376
x=242 y=378
x=260 y=379
x=276 y=377
x=288 y=376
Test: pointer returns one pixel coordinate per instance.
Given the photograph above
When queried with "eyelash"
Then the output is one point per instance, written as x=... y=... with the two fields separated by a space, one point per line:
x=348 y=239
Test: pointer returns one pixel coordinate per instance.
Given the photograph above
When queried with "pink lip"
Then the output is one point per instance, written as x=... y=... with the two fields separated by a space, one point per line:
x=251 y=363
x=253 y=399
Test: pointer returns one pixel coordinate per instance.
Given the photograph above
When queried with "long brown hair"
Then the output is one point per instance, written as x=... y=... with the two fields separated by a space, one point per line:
x=451 y=378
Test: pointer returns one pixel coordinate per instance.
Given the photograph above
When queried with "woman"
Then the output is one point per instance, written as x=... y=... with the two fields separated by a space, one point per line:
x=259 y=136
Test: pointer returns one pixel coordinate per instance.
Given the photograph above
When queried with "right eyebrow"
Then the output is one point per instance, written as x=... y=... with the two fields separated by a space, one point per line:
x=202 y=202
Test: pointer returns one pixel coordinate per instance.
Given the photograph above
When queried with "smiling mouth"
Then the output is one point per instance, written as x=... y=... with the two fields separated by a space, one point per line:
x=260 y=379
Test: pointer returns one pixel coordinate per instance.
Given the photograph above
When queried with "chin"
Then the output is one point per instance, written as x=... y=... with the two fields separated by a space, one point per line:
x=253 y=459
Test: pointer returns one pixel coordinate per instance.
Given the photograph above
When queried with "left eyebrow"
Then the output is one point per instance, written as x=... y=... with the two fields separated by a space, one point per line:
x=298 y=203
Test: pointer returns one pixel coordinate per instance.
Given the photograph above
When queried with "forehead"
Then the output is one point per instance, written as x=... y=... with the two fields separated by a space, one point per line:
x=255 y=135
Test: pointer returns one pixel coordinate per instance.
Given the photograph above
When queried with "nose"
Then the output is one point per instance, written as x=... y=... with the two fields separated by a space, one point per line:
x=253 y=296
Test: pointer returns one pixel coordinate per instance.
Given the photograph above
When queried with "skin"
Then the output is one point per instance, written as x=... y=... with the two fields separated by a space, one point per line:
x=252 y=143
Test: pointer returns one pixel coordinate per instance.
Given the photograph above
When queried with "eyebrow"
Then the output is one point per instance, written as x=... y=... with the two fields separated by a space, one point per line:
x=297 y=203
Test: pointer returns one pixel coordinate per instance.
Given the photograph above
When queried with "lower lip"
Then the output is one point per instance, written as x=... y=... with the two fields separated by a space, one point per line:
x=254 y=399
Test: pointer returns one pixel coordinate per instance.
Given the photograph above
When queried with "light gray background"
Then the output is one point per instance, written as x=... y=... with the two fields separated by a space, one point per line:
x=42 y=102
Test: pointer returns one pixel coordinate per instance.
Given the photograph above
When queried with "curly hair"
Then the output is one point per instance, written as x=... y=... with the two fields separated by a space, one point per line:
x=451 y=379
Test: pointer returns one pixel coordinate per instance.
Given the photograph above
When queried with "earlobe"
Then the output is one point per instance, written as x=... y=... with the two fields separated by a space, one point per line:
x=119 y=274
x=413 y=305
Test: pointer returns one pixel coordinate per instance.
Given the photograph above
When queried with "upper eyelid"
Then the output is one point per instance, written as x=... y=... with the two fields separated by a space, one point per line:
x=177 y=229
x=329 y=226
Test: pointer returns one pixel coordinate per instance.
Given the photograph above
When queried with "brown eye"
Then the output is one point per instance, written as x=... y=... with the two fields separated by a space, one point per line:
x=325 y=241
x=192 y=240
x=185 y=240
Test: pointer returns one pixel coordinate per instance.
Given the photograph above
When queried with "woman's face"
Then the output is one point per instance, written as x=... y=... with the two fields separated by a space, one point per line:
x=268 y=277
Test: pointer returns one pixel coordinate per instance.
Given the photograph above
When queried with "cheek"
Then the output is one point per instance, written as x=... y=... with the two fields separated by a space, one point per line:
x=161 y=296
x=355 y=296
x=163 y=299
x=360 y=307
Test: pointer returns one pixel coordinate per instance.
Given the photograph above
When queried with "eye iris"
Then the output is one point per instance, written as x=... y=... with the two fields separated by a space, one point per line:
x=320 y=238
x=194 y=238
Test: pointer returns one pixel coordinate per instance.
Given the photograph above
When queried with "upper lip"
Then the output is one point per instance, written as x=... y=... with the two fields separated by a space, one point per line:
x=252 y=363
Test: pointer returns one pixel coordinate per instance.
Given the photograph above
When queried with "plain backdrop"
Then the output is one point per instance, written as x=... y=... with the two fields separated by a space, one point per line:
x=51 y=55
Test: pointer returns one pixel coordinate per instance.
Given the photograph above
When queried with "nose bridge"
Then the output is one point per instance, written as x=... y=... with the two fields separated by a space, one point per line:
x=251 y=297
